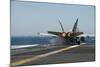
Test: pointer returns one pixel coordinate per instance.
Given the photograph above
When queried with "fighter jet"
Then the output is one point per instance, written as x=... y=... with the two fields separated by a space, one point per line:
x=69 y=37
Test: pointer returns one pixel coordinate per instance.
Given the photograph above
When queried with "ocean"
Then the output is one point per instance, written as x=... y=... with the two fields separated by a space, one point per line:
x=34 y=40
x=24 y=41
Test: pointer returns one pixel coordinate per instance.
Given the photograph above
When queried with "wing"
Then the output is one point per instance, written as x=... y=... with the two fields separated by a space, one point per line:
x=55 y=33
x=77 y=33
x=46 y=34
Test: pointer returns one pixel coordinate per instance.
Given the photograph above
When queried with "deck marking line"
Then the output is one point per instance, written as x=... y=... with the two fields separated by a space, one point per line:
x=41 y=56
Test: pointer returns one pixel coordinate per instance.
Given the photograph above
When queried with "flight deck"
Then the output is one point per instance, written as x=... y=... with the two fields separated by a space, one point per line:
x=40 y=55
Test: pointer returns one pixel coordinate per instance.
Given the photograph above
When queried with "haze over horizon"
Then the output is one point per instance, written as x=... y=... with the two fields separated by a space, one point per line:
x=30 y=18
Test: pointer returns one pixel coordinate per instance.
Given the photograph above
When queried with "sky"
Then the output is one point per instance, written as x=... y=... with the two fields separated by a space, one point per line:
x=30 y=18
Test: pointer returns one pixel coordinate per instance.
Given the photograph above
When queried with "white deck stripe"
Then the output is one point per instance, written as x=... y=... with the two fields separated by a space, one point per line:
x=41 y=56
x=23 y=46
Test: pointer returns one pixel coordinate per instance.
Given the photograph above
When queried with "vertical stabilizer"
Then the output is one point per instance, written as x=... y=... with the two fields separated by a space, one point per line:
x=61 y=26
x=75 y=26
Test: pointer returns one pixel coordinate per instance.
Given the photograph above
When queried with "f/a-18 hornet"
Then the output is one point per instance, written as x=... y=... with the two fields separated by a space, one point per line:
x=69 y=37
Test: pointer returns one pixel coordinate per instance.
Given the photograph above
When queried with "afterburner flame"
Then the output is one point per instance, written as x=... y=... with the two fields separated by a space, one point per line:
x=69 y=34
x=63 y=34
